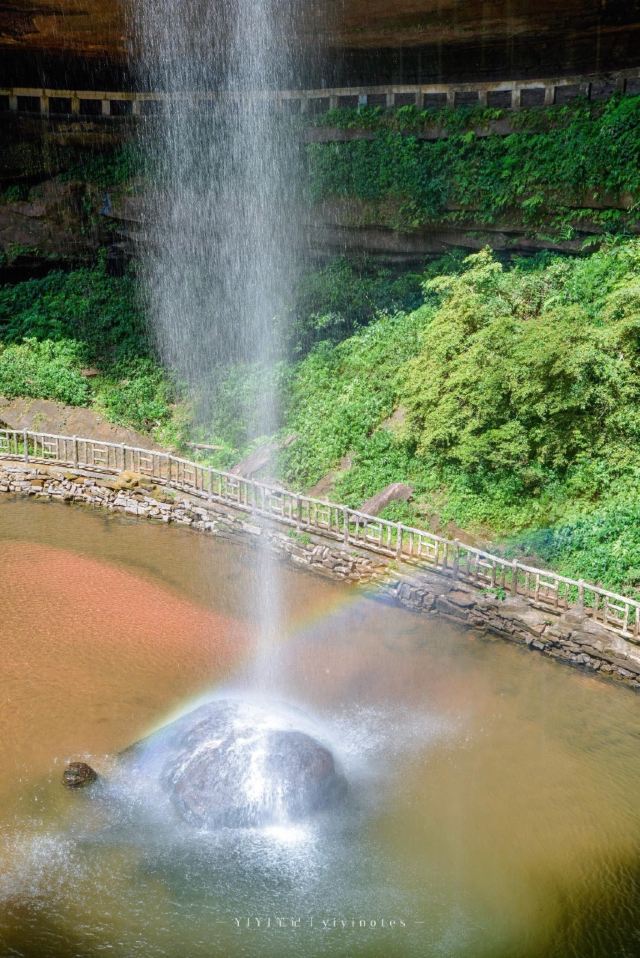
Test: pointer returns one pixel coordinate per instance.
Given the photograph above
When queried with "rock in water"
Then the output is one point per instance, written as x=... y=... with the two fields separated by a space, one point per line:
x=237 y=765
x=78 y=775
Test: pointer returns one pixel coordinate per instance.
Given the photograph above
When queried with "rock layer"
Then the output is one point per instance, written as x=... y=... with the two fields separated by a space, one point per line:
x=369 y=40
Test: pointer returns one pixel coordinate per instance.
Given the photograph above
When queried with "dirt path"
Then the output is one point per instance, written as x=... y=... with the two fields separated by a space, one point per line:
x=45 y=415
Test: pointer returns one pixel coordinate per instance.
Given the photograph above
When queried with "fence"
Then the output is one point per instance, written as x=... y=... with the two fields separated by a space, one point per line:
x=353 y=528
x=505 y=94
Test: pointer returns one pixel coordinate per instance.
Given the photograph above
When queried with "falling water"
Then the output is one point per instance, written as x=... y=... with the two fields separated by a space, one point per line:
x=221 y=243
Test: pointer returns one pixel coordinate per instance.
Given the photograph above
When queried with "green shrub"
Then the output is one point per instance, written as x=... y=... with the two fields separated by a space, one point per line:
x=602 y=546
x=334 y=301
x=110 y=168
x=513 y=377
x=44 y=370
x=86 y=304
x=520 y=384
x=138 y=394
x=338 y=395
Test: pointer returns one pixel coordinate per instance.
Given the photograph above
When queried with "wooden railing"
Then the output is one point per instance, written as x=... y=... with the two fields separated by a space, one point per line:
x=507 y=94
x=353 y=528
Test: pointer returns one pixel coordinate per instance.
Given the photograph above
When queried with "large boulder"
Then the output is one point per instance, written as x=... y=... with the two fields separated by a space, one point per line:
x=239 y=765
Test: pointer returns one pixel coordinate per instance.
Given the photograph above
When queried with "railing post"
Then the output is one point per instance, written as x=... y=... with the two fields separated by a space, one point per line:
x=456 y=558
x=75 y=450
x=298 y=512
x=581 y=595
x=514 y=577
x=25 y=439
x=399 y=541
x=346 y=527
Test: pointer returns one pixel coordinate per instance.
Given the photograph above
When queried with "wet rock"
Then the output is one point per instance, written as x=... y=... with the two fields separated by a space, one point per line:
x=462 y=598
x=78 y=775
x=237 y=765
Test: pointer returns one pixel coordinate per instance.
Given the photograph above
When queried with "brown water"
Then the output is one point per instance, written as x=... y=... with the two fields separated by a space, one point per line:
x=494 y=807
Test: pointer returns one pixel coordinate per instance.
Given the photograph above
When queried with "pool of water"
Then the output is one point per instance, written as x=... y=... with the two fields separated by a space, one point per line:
x=493 y=808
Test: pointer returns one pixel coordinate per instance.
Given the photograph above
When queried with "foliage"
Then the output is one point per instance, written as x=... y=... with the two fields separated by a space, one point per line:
x=413 y=119
x=227 y=412
x=513 y=377
x=379 y=459
x=108 y=169
x=137 y=393
x=600 y=545
x=14 y=193
x=99 y=310
x=54 y=326
x=43 y=370
x=521 y=389
x=557 y=169
x=334 y=301
x=339 y=394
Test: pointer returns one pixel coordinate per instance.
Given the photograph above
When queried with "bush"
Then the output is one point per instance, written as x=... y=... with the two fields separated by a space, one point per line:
x=333 y=302
x=515 y=377
x=520 y=385
x=52 y=326
x=109 y=169
x=339 y=395
x=99 y=310
x=137 y=394
x=44 y=370
x=602 y=546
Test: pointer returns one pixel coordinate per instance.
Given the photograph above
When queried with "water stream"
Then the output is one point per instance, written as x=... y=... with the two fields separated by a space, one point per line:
x=220 y=246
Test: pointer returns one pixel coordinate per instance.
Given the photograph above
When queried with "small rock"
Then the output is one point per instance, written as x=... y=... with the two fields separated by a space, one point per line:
x=78 y=775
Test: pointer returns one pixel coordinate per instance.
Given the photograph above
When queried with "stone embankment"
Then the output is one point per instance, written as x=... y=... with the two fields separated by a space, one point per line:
x=568 y=636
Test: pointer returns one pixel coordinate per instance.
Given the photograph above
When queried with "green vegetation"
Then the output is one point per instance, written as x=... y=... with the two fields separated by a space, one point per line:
x=336 y=300
x=53 y=328
x=43 y=370
x=112 y=168
x=559 y=170
x=520 y=391
x=86 y=305
x=507 y=393
x=14 y=194
x=340 y=394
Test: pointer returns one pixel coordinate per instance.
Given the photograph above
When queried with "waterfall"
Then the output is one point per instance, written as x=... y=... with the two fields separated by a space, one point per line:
x=222 y=234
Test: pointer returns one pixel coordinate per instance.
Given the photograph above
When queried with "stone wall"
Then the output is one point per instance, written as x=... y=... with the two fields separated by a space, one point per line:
x=567 y=636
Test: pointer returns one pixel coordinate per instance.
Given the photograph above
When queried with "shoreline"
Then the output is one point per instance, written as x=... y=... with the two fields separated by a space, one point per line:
x=567 y=636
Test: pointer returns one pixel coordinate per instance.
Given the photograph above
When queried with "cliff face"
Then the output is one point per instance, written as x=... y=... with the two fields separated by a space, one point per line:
x=84 y=27
x=365 y=40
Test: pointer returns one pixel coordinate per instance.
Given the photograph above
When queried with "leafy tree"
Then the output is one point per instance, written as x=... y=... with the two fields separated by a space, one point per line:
x=509 y=378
